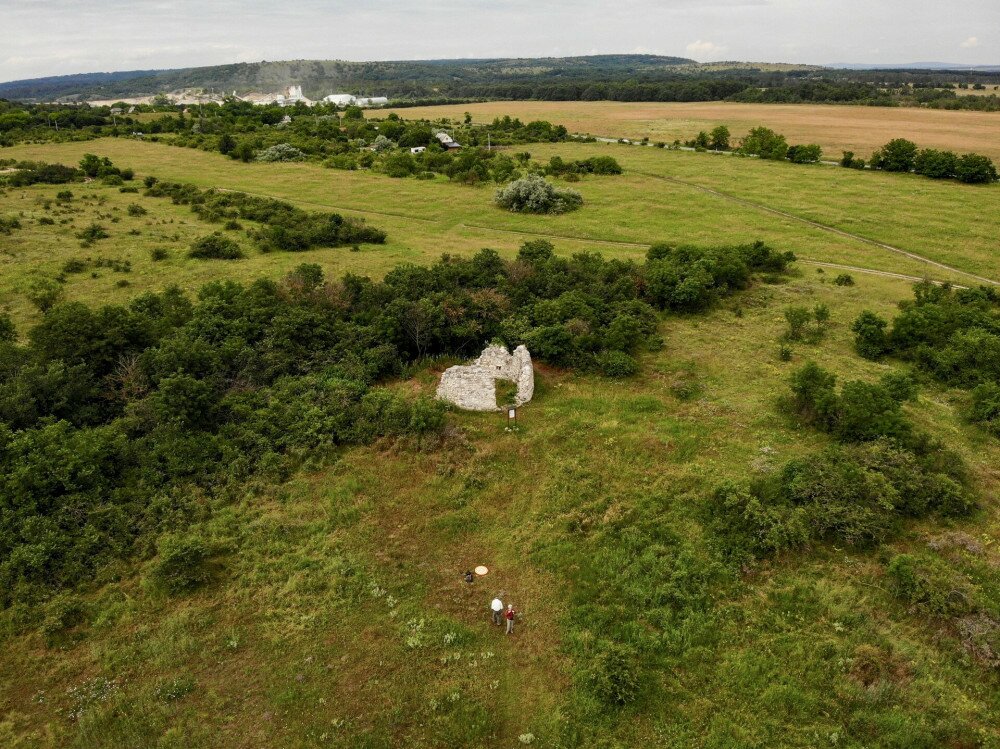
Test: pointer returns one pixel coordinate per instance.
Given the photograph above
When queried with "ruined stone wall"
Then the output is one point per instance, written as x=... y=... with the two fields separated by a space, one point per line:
x=473 y=386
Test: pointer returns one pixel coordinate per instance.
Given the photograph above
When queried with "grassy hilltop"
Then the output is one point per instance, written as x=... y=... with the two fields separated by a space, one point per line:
x=333 y=612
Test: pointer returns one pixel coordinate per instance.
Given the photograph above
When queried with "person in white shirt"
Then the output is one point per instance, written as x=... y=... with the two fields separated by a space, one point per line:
x=497 y=608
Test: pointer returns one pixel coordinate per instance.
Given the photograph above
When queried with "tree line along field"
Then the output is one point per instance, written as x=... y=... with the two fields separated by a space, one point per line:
x=424 y=219
x=338 y=616
x=836 y=128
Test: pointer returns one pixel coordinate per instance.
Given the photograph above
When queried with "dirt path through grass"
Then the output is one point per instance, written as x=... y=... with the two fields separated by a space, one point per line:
x=818 y=225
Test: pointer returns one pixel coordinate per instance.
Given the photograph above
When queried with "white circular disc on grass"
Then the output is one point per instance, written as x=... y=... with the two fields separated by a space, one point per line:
x=481 y=570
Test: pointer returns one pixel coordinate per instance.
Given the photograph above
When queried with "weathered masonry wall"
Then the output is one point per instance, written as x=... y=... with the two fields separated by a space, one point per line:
x=473 y=386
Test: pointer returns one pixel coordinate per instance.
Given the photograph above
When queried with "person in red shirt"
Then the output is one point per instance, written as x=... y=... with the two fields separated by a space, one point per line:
x=510 y=619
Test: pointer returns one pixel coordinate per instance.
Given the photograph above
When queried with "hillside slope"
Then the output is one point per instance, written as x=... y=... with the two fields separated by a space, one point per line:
x=320 y=77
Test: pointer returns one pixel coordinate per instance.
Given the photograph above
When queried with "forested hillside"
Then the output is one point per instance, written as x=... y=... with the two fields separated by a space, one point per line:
x=599 y=77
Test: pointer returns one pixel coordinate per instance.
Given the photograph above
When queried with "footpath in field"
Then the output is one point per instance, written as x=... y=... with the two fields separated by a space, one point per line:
x=823 y=227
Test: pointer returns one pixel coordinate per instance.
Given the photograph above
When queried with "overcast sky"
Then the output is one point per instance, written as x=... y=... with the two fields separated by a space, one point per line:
x=55 y=37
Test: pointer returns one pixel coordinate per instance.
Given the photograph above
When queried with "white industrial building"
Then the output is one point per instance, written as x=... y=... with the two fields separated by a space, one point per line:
x=293 y=95
x=341 y=100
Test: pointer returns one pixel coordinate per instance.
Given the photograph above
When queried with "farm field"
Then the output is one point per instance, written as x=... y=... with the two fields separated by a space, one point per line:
x=835 y=128
x=337 y=616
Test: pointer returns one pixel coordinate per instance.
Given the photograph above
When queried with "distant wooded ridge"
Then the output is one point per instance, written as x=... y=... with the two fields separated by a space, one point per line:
x=615 y=77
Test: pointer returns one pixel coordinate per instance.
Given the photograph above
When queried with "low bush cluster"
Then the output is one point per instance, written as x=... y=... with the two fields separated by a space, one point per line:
x=953 y=335
x=8 y=224
x=925 y=583
x=902 y=155
x=806 y=324
x=215 y=246
x=32 y=173
x=281 y=152
x=98 y=167
x=593 y=165
x=688 y=279
x=858 y=492
x=283 y=226
x=533 y=194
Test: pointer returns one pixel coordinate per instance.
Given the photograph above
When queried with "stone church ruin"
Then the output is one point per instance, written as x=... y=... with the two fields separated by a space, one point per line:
x=474 y=386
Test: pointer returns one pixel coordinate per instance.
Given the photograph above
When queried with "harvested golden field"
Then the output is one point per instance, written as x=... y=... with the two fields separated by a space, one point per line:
x=836 y=128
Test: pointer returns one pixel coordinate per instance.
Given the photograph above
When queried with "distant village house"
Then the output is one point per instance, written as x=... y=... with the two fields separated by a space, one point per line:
x=447 y=142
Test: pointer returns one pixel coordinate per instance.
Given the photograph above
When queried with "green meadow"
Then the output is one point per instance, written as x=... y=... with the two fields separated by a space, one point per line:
x=948 y=223
x=336 y=615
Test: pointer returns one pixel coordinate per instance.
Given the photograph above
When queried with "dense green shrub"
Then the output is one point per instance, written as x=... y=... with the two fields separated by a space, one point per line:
x=215 y=247
x=806 y=324
x=49 y=174
x=898 y=155
x=62 y=614
x=617 y=364
x=935 y=164
x=532 y=194
x=181 y=564
x=861 y=412
x=927 y=584
x=870 y=338
x=8 y=224
x=973 y=168
x=399 y=164
x=92 y=233
x=984 y=407
x=808 y=154
x=593 y=165
x=951 y=334
x=858 y=494
x=281 y=152
x=764 y=143
x=689 y=279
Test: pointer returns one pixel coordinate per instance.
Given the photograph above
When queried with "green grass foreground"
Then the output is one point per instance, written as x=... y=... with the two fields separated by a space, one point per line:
x=337 y=616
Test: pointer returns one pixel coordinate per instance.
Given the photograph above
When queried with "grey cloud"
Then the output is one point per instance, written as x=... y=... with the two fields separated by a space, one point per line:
x=51 y=37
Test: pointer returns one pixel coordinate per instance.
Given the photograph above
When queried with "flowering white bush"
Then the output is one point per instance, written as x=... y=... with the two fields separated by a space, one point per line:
x=532 y=194
x=381 y=143
x=281 y=152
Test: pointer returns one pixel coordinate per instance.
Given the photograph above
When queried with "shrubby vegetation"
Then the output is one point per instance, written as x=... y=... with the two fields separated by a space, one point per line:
x=688 y=279
x=122 y=422
x=281 y=152
x=593 y=165
x=32 y=173
x=857 y=492
x=952 y=335
x=901 y=155
x=533 y=194
x=216 y=247
x=928 y=585
x=284 y=227
x=764 y=143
